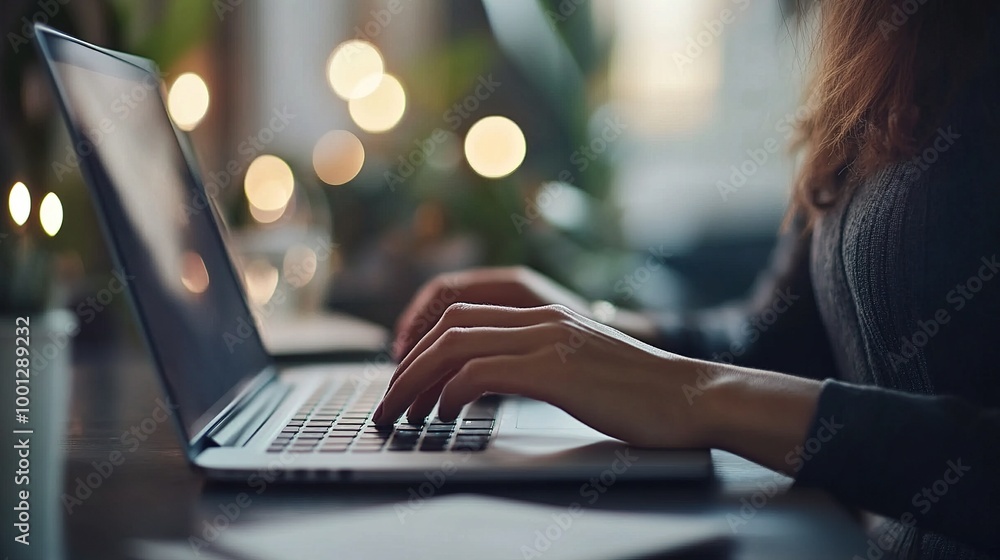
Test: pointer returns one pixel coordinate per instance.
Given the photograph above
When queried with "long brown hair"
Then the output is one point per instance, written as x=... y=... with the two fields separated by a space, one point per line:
x=887 y=72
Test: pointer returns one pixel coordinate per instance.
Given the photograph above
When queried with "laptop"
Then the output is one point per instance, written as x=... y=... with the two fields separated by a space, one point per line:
x=241 y=417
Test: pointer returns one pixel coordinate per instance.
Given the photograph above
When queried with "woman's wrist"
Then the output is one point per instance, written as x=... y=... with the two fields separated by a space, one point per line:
x=759 y=415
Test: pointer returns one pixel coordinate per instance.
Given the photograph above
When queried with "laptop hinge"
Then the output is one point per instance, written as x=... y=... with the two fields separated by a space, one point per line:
x=242 y=422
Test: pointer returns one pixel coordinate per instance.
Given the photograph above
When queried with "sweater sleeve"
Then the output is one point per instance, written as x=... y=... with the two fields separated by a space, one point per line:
x=778 y=327
x=930 y=461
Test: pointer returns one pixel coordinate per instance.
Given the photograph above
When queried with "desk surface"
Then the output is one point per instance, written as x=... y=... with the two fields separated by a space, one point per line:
x=153 y=494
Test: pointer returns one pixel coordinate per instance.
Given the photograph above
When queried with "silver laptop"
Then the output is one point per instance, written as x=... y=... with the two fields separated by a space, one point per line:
x=241 y=417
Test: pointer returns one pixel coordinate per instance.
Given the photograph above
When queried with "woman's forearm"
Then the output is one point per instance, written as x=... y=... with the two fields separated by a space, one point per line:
x=760 y=415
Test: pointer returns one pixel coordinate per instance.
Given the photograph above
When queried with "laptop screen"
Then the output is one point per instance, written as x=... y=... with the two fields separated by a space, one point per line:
x=164 y=235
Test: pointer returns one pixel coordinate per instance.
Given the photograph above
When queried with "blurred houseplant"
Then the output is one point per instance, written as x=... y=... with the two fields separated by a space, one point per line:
x=40 y=255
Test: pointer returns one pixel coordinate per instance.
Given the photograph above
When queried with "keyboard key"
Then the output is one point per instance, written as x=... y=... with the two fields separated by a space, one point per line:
x=477 y=424
x=433 y=445
x=438 y=436
x=475 y=432
x=440 y=429
x=470 y=445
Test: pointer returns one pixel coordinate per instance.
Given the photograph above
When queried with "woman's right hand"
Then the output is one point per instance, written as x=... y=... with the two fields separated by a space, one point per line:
x=508 y=286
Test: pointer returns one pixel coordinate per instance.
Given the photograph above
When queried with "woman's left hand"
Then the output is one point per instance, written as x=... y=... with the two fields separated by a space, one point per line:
x=606 y=379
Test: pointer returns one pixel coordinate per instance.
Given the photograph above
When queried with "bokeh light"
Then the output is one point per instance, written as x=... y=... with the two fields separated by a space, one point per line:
x=338 y=157
x=266 y=216
x=495 y=147
x=354 y=69
x=300 y=265
x=269 y=183
x=194 y=275
x=19 y=203
x=261 y=281
x=381 y=109
x=50 y=213
x=187 y=100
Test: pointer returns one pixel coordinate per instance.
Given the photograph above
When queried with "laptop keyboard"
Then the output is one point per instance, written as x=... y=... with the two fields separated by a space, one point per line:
x=337 y=419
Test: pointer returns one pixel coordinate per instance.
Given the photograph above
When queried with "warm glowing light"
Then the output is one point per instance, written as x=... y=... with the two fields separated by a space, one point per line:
x=187 y=100
x=354 y=69
x=266 y=216
x=50 y=213
x=381 y=109
x=495 y=147
x=261 y=281
x=338 y=157
x=269 y=183
x=194 y=275
x=300 y=265
x=19 y=203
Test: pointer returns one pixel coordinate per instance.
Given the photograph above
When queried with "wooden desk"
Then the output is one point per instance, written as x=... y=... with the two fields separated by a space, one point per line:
x=153 y=494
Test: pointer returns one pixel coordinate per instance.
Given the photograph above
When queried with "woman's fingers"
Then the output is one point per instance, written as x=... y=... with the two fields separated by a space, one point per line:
x=451 y=351
x=424 y=403
x=536 y=375
x=490 y=286
x=472 y=315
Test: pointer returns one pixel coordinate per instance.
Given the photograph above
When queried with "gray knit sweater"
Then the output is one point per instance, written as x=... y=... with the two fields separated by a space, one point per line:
x=894 y=297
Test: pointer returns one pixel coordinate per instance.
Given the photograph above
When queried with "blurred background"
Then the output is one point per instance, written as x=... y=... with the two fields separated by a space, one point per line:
x=633 y=150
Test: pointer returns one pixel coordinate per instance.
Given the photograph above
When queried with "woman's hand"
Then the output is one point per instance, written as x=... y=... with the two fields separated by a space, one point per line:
x=610 y=381
x=508 y=287
x=606 y=379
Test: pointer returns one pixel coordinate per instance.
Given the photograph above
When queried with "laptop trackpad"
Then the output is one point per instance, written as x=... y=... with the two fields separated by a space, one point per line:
x=535 y=415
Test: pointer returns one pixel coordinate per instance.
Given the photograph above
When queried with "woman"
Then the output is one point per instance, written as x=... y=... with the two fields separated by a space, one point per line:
x=885 y=284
